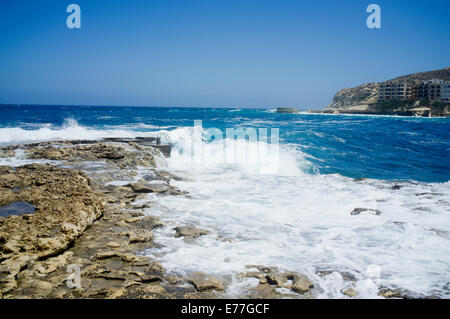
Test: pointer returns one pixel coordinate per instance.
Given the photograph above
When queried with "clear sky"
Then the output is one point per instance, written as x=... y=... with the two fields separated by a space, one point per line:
x=253 y=53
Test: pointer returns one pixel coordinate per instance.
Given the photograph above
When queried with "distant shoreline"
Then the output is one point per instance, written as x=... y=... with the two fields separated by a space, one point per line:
x=397 y=113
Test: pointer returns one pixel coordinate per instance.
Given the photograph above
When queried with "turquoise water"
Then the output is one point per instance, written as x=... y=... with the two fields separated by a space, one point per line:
x=297 y=217
x=379 y=147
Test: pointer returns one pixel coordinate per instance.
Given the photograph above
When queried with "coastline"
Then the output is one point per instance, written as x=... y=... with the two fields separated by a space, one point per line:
x=320 y=112
x=374 y=113
x=107 y=245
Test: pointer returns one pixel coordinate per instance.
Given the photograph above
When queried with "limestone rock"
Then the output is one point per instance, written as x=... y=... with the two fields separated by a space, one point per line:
x=132 y=220
x=105 y=255
x=52 y=264
x=4 y=153
x=190 y=232
x=129 y=258
x=301 y=283
x=65 y=205
x=149 y=222
x=113 y=244
x=203 y=282
x=350 y=292
x=144 y=187
x=263 y=291
x=276 y=279
x=394 y=293
x=139 y=236
x=154 y=272
x=11 y=246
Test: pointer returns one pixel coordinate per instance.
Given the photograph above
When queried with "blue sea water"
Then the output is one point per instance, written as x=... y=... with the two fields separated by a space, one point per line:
x=378 y=147
x=298 y=218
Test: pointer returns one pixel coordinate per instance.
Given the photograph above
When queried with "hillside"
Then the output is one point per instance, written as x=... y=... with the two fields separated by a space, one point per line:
x=359 y=98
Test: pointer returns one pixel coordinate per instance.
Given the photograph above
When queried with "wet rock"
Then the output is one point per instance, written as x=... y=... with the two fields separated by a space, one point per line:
x=190 y=232
x=149 y=222
x=301 y=284
x=117 y=293
x=94 y=151
x=122 y=224
x=86 y=152
x=111 y=274
x=391 y=293
x=350 y=292
x=142 y=206
x=113 y=244
x=107 y=151
x=276 y=279
x=154 y=272
x=14 y=265
x=252 y=274
x=371 y=211
x=4 y=153
x=65 y=206
x=263 y=291
x=132 y=220
x=52 y=264
x=129 y=258
x=173 y=279
x=144 y=187
x=105 y=255
x=44 y=288
x=69 y=204
x=12 y=246
x=51 y=246
x=139 y=236
x=166 y=176
x=203 y=282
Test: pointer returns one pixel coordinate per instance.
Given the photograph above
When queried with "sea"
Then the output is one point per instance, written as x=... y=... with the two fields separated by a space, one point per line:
x=279 y=190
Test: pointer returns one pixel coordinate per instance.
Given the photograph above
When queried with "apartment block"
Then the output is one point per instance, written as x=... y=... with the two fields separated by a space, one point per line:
x=395 y=91
x=428 y=90
x=445 y=92
x=433 y=90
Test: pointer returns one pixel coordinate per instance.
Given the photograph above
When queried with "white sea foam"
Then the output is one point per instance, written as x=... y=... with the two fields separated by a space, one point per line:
x=71 y=130
x=290 y=219
x=20 y=159
x=302 y=222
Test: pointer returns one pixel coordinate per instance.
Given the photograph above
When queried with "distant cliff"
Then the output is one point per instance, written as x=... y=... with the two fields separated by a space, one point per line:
x=359 y=98
x=361 y=95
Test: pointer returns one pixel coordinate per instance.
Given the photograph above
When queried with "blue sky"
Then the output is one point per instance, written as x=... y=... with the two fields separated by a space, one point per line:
x=212 y=53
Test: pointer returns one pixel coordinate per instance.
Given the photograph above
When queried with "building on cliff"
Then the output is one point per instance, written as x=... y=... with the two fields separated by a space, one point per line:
x=433 y=90
x=428 y=90
x=445 y=92
x=395 y=91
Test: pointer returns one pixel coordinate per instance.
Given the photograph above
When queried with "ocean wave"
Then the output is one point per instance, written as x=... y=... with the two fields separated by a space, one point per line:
x=71 y=130
x=302 y=222
x=275 y=214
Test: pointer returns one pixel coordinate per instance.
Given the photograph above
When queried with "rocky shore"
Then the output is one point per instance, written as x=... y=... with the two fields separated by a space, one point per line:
x=64 y=211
